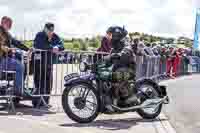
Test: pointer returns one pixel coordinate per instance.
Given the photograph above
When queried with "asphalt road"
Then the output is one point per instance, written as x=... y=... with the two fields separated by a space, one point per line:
x=57 y=122
x=184 y=109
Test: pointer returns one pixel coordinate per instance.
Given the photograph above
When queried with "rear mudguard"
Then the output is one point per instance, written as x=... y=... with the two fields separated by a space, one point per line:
x=161 y=89
x=86 y=78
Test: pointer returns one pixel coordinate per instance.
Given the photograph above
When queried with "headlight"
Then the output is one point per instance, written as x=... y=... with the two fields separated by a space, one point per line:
x=83 y=67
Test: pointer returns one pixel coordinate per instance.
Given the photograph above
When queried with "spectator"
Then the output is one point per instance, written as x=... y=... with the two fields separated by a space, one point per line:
x=138 y=46
x=138 y=49
x=163 y=61
x=149 y=50
x=156 y=60
x=106 y=43
x=49 y=41
x=8 y=62
x=171 y=54
x=155 y=50
x=144 y=60
x=185 y=61
x=105 y=46
x=176 y=62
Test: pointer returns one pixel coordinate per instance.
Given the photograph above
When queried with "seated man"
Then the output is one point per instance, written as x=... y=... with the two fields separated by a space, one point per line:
x=123 y=60
x=7 y=61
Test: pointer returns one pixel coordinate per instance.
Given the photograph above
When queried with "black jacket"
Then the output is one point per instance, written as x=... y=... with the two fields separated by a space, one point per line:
x=41 y=42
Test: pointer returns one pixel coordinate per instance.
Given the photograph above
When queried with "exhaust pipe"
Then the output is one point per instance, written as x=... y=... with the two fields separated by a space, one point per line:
x=146 y=104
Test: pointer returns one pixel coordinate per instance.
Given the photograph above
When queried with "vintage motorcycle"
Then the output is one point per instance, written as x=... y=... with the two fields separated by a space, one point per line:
x=84 y=94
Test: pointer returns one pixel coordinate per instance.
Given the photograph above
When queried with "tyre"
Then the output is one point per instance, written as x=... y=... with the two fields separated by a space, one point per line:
x=150 y=113
x=79 y=98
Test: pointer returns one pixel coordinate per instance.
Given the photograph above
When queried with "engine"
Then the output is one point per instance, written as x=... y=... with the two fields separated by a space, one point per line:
x=123 y=82
x=123 y=89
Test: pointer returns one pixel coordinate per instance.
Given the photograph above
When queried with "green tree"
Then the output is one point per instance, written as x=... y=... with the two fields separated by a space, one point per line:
x=76 y=45
x=29 y=44
x=185 y=41
x=68 y=46
x=83 y=45
x=94 y=42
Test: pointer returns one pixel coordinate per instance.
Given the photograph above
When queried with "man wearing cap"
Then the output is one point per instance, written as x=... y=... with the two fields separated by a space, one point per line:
x=7 y=61
x=51 y=44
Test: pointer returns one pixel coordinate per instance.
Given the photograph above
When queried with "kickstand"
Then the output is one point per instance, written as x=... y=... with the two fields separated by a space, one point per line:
x=42 y=101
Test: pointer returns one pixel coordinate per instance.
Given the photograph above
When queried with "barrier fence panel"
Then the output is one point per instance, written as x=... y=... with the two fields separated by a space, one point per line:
x=49 y=69
x=12 y=69
x=140 y=67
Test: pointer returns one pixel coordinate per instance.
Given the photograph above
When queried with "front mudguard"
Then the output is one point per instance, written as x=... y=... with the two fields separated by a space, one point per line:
x=162 y=90
x=76 y=81
x=87 y=79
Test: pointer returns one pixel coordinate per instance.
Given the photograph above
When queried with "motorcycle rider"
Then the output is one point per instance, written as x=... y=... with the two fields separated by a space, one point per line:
x=122 y=56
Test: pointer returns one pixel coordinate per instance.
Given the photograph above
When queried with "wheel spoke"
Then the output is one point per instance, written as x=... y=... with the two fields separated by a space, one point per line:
x=85 y=96
x=89 y=108
x=85 y=93
x=80 y=92
x=91 y=102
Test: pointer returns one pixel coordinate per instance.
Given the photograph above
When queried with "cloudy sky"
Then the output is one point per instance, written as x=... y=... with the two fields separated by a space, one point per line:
x=87 y=17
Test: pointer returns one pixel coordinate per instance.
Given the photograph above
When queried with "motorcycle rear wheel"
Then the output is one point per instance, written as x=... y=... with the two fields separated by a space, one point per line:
x=79 y=104
x=145 y=113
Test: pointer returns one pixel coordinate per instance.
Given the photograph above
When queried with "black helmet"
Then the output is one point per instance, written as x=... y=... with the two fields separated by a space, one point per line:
x=118 y=33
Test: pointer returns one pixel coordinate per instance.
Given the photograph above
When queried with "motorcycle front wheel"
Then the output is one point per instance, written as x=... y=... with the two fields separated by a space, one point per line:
x=81 y=102
x=150 y=113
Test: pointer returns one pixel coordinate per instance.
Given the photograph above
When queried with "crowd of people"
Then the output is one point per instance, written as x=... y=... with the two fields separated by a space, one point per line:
x=172 y=60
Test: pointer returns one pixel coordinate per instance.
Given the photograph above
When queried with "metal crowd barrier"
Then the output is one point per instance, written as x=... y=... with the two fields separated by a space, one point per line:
x=48 y=73
x=12 y=69
x=44 y=72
